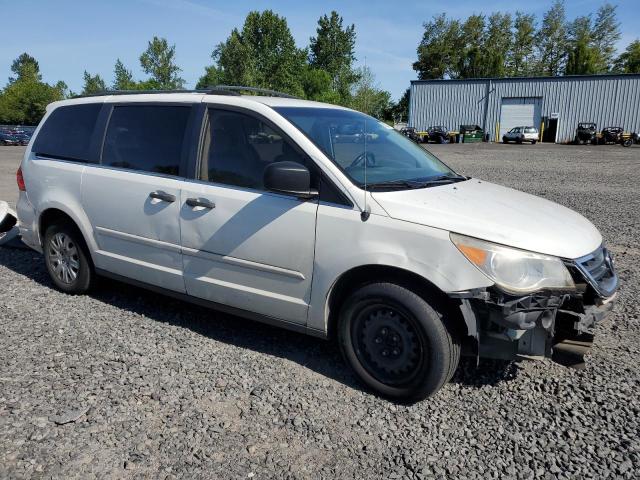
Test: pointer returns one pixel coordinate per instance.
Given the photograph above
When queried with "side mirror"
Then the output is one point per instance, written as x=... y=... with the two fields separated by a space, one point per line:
x=289 y=177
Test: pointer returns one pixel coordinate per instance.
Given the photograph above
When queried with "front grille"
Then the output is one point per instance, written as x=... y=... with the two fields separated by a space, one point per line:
x=598 y=270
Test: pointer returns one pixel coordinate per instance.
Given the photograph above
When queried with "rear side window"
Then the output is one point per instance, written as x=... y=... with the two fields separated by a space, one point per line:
x=530 y=130
x=146 y=137
x=66 y=134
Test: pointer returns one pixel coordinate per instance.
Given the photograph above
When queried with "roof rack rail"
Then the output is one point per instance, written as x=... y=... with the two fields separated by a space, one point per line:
x=240 y=88
x=207 y=91
x=233 y=90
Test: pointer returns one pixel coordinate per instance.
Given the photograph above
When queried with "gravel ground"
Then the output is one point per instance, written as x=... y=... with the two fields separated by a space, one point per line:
x=10 y=158
x=124 y=383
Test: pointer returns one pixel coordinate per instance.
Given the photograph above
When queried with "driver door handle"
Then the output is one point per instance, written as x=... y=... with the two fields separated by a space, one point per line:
x=200 y=202
x=164 y=196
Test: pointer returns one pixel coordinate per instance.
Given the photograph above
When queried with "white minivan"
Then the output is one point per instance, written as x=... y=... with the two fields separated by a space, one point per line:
x=253 y=205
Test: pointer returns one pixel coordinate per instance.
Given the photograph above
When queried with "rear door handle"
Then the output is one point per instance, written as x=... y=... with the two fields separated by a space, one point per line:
x=164 y=196
x=200 y=202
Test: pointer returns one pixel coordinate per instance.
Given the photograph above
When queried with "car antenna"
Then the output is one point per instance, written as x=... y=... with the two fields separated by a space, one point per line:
x=364 y=215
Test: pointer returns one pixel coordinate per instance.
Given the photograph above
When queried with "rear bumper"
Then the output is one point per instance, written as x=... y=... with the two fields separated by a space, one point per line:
x=28 y=222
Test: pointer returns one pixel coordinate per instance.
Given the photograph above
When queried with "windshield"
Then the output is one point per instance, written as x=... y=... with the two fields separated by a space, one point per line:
x=351 y=138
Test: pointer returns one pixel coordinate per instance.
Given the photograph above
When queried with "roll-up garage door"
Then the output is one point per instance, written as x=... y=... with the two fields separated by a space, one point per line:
x=519 y=112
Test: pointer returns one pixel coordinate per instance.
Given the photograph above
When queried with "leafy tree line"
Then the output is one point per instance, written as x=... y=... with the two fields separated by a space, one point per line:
x=505 y=45
x=262 y=54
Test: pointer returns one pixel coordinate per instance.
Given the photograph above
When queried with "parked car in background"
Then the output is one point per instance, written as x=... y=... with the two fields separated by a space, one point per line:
x=412 y=134
x=613 y=135
x=521 y=135
x=411 y=263
x=585 y=133
x=22 y=138
x=7 y=138
x=438 y=134
x=610 y=135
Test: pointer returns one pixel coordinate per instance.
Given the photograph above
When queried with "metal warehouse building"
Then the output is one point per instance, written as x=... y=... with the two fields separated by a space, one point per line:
x=554 y=105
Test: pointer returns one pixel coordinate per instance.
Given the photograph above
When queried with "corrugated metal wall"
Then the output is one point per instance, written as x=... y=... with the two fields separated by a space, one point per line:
x=608 y=100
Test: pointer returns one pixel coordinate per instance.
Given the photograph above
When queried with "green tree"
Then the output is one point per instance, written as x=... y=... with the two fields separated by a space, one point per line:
x=123 y=78
x=26 y=96
x=438 y=50
x=25 y=67
x=212 y=77
x=318 y=85
x=367 y=96
x=263 y=54
x=158 y=61
x=629 y=60
x=605 y=35
x=552 y=40
x=93 y=84
x=497 y=44
x=582 y=58
x=520 y=58
x=332 y=50
x=399 y=112
x=472 y=61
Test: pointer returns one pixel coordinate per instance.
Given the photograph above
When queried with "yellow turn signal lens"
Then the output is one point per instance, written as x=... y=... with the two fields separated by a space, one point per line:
x=475 y=255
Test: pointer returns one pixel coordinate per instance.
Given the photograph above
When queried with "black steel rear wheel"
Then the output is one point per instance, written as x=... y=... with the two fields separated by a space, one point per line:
x=396 y=342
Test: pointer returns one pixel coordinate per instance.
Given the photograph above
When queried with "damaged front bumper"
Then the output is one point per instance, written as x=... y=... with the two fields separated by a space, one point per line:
x=557 y=325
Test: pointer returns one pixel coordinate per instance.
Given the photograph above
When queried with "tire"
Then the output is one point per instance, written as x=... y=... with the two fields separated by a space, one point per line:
x=519 y=141
x=396 y=342
x=67 y=259
x=533 y=142
x=504 y=140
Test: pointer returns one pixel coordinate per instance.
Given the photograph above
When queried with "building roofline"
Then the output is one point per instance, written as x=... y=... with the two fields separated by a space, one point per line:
x=510 y=79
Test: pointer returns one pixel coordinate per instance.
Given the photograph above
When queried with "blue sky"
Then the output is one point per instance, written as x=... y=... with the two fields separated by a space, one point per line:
x=69 y=36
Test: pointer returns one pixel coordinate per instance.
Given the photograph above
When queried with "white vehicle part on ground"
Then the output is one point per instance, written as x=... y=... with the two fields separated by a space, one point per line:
x=7 y=217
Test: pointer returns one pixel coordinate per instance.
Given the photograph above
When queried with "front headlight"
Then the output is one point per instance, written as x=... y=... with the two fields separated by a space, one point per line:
x=516 y=271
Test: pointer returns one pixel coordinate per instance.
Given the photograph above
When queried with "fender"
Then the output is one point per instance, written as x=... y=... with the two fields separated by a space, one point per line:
x=74 y=210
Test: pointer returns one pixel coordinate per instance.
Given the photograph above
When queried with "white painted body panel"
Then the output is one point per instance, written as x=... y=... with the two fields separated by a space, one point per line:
x=136 y=236
x=499 y=214
x=344 y=242
x=254 y=250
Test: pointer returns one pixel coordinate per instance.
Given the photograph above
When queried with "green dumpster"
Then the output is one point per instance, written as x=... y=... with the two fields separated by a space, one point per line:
x=471 y=133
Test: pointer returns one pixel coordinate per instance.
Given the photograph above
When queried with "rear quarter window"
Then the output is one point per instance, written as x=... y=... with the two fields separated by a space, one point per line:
x=66 y=134
x=148 y=138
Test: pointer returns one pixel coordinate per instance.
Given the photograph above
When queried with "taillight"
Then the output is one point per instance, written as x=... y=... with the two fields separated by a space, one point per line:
x=20 y=179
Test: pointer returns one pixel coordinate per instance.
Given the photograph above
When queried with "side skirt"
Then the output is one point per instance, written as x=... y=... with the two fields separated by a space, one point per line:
x=257 y=317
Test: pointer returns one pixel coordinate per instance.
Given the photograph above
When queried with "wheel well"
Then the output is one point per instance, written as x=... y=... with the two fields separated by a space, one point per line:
x=363 y=275
x=50 y=217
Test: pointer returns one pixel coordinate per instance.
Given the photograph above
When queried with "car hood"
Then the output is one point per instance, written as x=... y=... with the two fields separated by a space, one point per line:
x=499 y=214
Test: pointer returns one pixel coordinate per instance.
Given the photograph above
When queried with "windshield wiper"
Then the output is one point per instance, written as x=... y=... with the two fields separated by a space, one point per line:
x=417 y=183
x=399 y=184
x=448 y=178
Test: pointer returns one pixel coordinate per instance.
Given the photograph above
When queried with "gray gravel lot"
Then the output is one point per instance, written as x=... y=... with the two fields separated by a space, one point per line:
x=10 y=158
x=125 y=383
